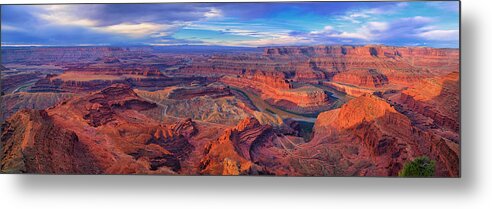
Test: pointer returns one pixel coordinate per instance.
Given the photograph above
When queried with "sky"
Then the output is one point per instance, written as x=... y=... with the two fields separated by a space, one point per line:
x=433 y=24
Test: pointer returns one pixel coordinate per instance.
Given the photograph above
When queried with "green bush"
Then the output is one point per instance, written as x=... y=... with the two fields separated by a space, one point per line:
x=419 y=167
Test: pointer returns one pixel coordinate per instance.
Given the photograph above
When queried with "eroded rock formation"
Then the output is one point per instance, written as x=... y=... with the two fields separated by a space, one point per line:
x=33 y=143
x=372 y=138
x=233 y=153
x=104 y=132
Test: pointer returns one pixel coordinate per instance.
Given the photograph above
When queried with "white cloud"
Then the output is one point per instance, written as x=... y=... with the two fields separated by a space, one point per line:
x=65 y=15
x=61 y=19
x=361 y=15
x=160 y=34
x=137 y=30
x=326 y=29
x=349 y=35
x=6 y=27
x=273 y=40
x=402 y=5
x=443 y=35
x=262 y=36
x=279 y=40
x=213 y=13
x=376 y=26
x=417 y=27
x=369 y=31
x=258 y=31
x=418 y=19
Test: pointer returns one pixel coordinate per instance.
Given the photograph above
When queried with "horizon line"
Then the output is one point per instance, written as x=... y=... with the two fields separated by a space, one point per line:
x=199 y=45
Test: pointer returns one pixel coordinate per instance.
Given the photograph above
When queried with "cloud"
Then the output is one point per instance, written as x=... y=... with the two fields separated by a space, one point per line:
x=113 y=14
x=369 y=31
x=138 y=30
x=409 y=30
x=379 y=30
x=248 y=24
x=443 y=35
x=254 y=38
x=416 y=30
x=134 y=21
x=11 y=28
x=213 y=13
x=452 y=6
x=67 y=20
x=249 y=34
x=67 y=14
x=254 y=35
x=278 y=40
x=361 y=15
x=417 y=19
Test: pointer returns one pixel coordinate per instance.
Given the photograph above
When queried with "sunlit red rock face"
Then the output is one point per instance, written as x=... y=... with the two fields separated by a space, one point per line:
x=371 y=138
x=370 y=57
x=249 y=149
x=363 y=78
x=401 y=65
x=369 y=50
x=437 y=98
x=278 y=90
x=230 y=153
x=434 y=104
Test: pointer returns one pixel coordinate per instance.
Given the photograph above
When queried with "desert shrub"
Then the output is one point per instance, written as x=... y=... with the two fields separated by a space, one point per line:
x=419 y=167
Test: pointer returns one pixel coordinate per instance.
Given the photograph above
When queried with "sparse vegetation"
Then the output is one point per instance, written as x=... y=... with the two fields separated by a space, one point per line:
x=419 y=167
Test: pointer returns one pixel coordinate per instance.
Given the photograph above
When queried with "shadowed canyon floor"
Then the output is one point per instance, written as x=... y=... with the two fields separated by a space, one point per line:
x=287 y=111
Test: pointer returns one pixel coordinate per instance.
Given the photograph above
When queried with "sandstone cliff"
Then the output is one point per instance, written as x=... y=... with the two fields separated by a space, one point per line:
x=33 y=143
x=372 y=138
